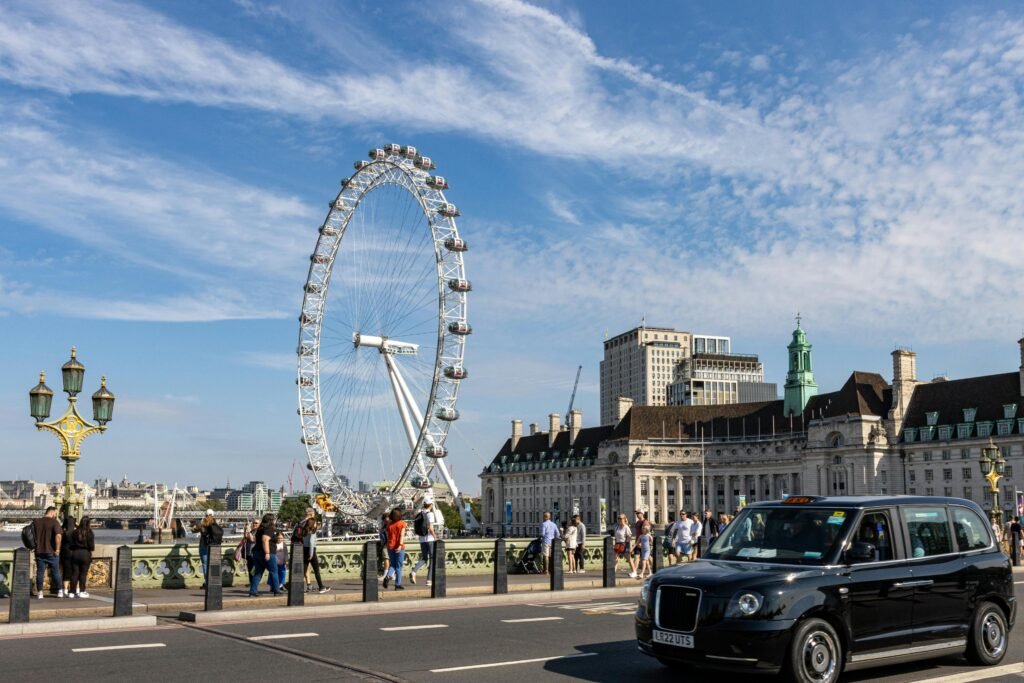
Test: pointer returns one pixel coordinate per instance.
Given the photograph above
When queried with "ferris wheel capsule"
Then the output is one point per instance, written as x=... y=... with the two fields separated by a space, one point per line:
x=437 y=182
x=434 y=451
x=447 y=414
x=421 y=483
x=377 y=154
x=393 y=149
x=456 y=372
x=460 y=327
x=328 y=230
x=448 y=209
x=459 y=285
x=424 y=163
x=361 y=164
x=344 y=182
x=409 y=152
x=456 y=244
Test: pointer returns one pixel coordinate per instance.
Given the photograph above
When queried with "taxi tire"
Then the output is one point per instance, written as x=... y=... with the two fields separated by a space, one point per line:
x=814 y=641
x=988 y=632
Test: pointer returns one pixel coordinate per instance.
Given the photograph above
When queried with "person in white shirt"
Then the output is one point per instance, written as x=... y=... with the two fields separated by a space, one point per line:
x=569 y=535
x=695 y=531
x=681 y=539
x=426 y=540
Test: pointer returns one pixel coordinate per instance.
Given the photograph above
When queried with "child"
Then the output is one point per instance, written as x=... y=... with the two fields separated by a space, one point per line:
x=282 y=559
x=646 y=544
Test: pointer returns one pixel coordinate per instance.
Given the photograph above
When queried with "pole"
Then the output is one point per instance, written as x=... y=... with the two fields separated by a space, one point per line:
x=500 y=567
x=123 y=582
x=21 y=588
x=213 y=599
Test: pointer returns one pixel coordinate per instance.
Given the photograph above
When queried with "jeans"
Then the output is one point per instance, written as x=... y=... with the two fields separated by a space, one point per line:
x=204 y=559
x=261 y=564
x=397 y=559
x=426 y=557
x=579 y=557
x=53 y=562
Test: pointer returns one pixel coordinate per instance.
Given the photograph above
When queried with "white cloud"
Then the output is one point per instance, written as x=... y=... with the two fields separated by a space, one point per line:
x=760 y=62
x=562 y=208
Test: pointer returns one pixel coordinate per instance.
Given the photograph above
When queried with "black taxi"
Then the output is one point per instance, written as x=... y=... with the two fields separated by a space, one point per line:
x=815 y=586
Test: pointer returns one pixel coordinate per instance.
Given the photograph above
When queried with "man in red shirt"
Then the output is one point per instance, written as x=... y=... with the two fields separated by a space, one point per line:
x=48 y=538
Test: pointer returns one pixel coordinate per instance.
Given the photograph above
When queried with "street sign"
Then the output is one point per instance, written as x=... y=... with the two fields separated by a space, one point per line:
x=508 y=512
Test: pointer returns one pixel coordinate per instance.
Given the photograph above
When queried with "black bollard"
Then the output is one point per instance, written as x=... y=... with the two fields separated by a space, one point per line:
x=1015 y=548
x=21 y=587
x=370 y=592
x=439 y=583
x=123 y=582
x=500 y=567
x=609 y=562
x=656 y=554
x=214 y=598
x=296 y=580
x=555 y=565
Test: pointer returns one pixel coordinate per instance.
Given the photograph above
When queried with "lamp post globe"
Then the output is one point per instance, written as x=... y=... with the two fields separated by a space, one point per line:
x=103 y=403
x=73 y=373
x=992 y=465
x=40 y=398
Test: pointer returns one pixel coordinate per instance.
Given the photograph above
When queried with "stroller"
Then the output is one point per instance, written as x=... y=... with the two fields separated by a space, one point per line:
x=527 y=563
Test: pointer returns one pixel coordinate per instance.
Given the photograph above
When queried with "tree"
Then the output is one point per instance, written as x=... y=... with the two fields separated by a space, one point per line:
x=452 y=518
x=476 y=507
x=216 y=505
x=293 y=509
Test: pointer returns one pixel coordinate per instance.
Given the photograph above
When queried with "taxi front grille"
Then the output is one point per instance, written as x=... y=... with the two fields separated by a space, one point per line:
x=678 y=608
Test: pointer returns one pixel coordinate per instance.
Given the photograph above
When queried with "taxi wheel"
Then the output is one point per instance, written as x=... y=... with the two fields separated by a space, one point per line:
x=815 y=655
x=987 y=640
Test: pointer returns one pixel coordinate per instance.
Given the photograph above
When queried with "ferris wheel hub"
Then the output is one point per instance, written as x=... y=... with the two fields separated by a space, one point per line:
x=384 y=344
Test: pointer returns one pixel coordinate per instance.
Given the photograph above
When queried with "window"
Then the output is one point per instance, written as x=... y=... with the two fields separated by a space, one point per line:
x=932 y=418
x=928 y=528
x=945 y=432
x=912 y=491
x=927 y=455
x=965 y=453
x=969 y=414
x=929 y=491
x=948 y=492
x=967 y=492
x=929 y=475
x=1009 y=410
x=984 y=429
x=971 y=531
x=913 y=475
x=875 y=529
x=947 y=454
x=966 y=472
x=1008 y=471
x=1004 y=427
x=947 y=475
x=963 y=431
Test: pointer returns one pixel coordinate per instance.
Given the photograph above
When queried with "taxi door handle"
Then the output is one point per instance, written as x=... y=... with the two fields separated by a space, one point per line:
x=913 y=584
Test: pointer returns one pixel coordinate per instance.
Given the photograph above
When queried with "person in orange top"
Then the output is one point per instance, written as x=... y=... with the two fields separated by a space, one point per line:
x=396 y=547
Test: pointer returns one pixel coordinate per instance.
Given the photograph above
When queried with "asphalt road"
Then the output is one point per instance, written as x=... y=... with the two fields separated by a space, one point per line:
x=544 y=641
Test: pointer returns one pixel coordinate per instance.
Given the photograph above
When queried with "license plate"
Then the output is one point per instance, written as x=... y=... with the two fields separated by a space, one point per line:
x=677 y=639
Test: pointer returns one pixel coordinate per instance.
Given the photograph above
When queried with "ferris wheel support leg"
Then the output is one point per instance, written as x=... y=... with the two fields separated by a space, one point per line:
x=415 y=410
x=396 y=387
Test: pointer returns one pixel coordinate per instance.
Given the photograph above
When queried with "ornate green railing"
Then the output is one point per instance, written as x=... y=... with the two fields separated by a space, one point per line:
x=6 y=567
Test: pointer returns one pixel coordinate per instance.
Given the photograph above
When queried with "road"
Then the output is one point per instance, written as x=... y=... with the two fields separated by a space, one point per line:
x=543 y=641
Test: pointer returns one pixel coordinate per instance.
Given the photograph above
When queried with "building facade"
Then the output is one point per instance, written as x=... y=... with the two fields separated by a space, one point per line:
x=868 y=437
x=639 y=365
x=713 y=378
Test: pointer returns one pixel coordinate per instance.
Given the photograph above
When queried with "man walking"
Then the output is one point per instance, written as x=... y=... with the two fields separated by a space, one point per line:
x=423 y=525
x=48 y=539
x=548 y=533
x=696 y=529
x=681 y=538
x=581 y=540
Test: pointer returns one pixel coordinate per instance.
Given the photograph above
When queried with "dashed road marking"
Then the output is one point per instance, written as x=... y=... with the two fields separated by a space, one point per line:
x=413 y=628
x=281 y=636
x=117 y=647
x=510 y=663
x=523 y=621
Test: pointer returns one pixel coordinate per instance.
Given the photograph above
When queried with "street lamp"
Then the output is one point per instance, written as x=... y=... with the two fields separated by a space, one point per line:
x=992 y=464
x=71 y=428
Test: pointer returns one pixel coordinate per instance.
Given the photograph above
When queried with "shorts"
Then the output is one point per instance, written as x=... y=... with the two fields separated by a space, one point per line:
x=546 y=549
x=683 y=548
x=645 y=555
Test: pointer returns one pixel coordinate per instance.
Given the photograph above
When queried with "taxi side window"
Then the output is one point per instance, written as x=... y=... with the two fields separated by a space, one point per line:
x=875 y=529
x=928 y=528
x=971 y=532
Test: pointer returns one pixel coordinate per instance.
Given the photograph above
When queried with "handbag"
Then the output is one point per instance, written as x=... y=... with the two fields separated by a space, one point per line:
x=620 y=548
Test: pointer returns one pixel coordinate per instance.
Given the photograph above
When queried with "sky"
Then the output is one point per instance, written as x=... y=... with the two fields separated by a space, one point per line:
x=713 y=167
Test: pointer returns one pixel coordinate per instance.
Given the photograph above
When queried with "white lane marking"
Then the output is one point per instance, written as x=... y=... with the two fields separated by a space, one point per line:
x=1019 y=583
x=280 y=636
x=969 y=676
x=116 y=647
x=518 y=661
x=413 y=628
x=589 y=605
x=523 y=621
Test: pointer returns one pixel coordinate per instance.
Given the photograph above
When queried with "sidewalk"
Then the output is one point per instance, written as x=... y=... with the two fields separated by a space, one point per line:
x=170 y=602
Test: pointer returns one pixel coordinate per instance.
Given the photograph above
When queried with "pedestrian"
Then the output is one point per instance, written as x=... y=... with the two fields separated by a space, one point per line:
x=646 y=545
x=209 y=533
x=638 y=529
x=666 y=540
x=68 y=527
x=382 y=548
x=622 y=536
x=570 y=546
x=309 y=526
x=423 y=526
x=282 y=559
x=710 y=526
x=396 y=547
x=723 y=521
x=581 y=542
x=83 y=545
x=49 y=535
x=681 y=539
x=696 y=531
x=265 y=556
x=249 y=546
x=548 y=533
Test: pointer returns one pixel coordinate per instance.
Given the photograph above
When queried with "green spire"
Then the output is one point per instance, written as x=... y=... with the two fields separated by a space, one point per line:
x=800 y=384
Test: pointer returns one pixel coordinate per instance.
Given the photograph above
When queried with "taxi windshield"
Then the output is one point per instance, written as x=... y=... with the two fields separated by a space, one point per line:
x=786 y=535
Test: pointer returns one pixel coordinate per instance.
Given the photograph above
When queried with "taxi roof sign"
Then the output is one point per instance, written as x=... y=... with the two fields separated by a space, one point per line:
x=799 y=500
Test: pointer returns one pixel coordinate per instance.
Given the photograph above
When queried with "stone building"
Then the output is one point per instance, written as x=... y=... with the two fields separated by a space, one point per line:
x=868 y=437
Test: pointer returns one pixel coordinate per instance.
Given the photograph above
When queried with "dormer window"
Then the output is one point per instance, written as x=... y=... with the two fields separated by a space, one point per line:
x=963 y=431
x=908 y=434
x=969 y=414
x=1009 y=410
x=945 y=431
x=984 y=429
x=933 y=418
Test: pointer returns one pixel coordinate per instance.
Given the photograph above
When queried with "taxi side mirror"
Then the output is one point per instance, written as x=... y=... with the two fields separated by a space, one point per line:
x=860 y=552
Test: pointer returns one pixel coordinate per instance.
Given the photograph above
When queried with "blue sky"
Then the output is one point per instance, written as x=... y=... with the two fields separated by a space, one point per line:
x=715 y=167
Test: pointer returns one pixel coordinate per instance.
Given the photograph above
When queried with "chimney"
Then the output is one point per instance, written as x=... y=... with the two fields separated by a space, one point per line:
x=517 y=432
x=1020 y=342
x=904 y=379
x=622 y=406
x=554 y=422
x=533 y=428
x=575 y=425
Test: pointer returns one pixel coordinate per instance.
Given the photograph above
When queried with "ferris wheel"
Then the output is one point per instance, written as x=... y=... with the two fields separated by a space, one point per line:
x=382 y=333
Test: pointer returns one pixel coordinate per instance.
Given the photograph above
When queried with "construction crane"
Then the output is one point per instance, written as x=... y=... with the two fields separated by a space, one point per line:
x=572 y=399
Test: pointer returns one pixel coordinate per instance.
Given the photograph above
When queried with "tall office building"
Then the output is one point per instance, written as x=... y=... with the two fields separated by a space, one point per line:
x=639 y=365
x=719 y=377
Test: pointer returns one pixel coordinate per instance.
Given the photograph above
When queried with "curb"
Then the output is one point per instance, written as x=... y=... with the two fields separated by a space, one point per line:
x=360 y=608
x=76 y=625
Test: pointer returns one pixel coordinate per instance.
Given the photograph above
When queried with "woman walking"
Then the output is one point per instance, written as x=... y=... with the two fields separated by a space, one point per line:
x=82 y=544
x=623 y=535
x=65 y=559
x=382 y=548
x=570 y=535
x=309 y=557
x=396 y=548
x=209 y=533
x=264 y=556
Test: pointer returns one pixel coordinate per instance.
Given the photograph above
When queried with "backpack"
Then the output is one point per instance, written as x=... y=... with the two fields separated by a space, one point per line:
x=28 y=536
x=298 y=532
x=215 y=533
x=419 y=525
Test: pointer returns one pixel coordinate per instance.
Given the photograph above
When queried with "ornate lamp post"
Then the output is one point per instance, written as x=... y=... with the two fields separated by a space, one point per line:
x=992 y=464
x=71 y=428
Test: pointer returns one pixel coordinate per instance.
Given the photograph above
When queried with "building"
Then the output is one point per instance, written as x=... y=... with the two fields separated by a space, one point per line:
x=869 y=436
x=24 y=493
x=706 y=378
x=255 y=497
x=638 y=365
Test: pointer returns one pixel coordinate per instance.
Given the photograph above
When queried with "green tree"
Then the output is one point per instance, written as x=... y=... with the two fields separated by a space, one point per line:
x=293 y=509
x=215 y=505
x=452 y=518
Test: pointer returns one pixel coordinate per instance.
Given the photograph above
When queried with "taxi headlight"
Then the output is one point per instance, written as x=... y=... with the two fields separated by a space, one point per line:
x=645 y=590
x=745 y=604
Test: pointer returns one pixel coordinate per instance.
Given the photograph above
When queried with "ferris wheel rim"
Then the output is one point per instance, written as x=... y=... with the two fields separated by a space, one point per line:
x=399 y=171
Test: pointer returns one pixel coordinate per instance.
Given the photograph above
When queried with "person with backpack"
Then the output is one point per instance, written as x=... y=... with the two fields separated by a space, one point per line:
x=305 y=533
x=82 y=544
x=210 y=533
x=47 y=535
x=396 y=547
x=423 y=526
